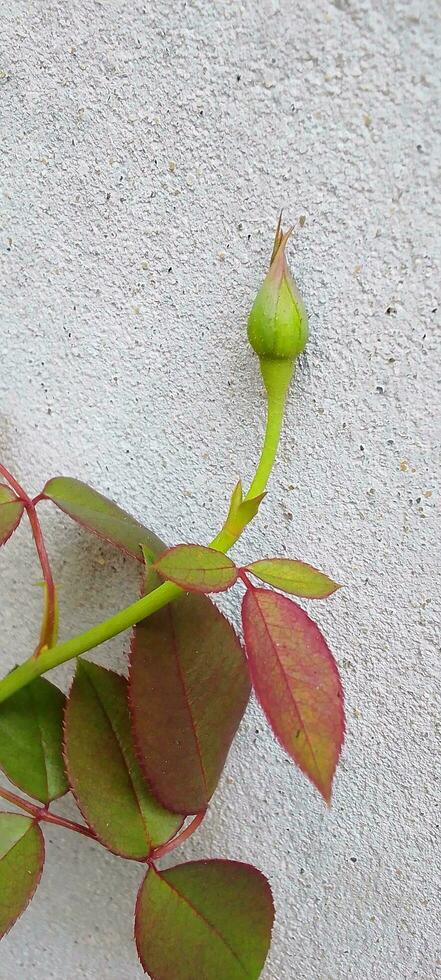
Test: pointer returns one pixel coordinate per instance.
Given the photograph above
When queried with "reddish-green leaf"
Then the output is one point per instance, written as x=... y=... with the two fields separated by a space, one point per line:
x=197 y=569
x=103 y=772
x=102 y=516
x=11 y=510
x=31 y=739
x=189 y=687
x=21 y=864
x=295 y=577
x=208 y=919
x=297 y=683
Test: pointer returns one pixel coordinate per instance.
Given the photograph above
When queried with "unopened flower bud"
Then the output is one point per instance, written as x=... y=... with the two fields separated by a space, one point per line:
x=277 y=324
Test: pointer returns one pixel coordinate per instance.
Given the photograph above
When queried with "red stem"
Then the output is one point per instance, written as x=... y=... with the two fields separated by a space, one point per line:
x=14 y=484
x=41 y=552
x=42 y=813
x=79 y=828
x=180 y=838
x=242 y=574
x=46 y=569
x=17 y=801
x=40 y=545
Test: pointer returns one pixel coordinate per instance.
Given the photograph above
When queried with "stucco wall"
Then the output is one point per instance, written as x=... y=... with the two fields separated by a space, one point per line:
x=146 y=150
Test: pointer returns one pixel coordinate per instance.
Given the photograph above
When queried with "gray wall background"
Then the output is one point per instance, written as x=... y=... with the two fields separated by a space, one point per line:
x=147 y=148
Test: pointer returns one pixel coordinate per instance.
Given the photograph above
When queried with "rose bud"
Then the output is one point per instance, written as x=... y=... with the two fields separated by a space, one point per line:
x=277 y=324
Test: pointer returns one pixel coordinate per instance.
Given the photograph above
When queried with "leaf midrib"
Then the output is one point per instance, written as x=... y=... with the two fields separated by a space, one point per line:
x=125 y=765
x=175 y=648
x=206 y=922
x=42 y=741
x=287 y=684
x=37 y=743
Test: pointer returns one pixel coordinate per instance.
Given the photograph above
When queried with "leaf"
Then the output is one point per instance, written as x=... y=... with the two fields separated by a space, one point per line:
x=31 y=737
x=297 y=683
x=103 y=772
x=11 y=510
x=197 y=569
x=205 y=919
x=93 y=511
x=295 y=577
x=188 y=689
x=21 y=864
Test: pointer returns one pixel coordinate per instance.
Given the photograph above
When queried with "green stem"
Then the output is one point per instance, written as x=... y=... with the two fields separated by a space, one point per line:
x=52 y=657
x=276 y=376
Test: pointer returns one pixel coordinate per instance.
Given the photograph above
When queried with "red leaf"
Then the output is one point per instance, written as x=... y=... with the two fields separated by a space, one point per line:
x=188 y=688
x=11 y=510
x=207 y=919
x=197 y=569
x=297 y=683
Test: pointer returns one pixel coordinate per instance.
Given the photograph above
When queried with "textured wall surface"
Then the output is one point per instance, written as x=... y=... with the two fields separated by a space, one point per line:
x=146 y=149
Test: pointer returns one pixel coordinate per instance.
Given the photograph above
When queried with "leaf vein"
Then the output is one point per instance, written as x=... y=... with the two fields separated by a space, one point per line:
x=207 y=922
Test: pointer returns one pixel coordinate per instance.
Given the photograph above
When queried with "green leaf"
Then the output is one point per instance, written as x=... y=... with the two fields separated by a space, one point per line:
x=208 y=919
x=103 y=772
x=197 y=569
x=295 y=577
x=189 y=686
x=31 y=738
x=94 y=511
x=11 y=510
x=21 y=864
x=297 y=682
